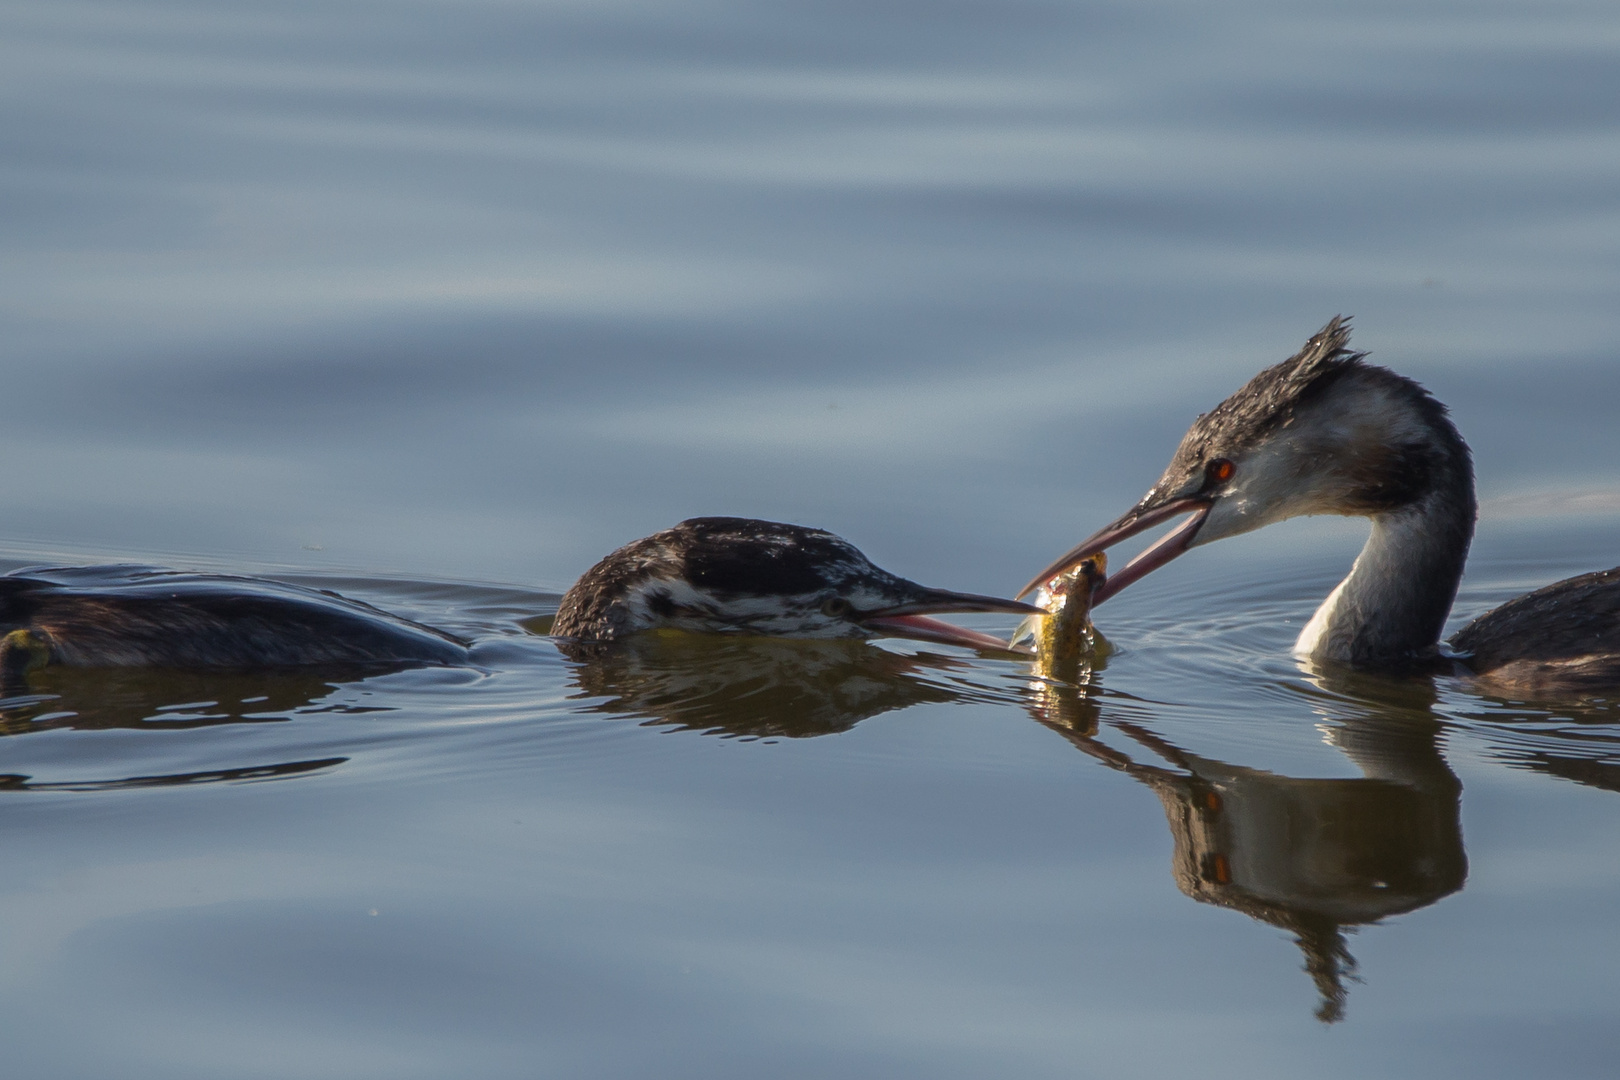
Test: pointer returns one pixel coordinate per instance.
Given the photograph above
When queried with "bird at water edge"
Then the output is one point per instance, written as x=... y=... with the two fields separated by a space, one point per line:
x=1325 y=432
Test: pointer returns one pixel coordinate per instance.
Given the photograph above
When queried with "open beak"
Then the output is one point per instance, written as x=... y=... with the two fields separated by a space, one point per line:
x=1139 y=519
x=910 y=619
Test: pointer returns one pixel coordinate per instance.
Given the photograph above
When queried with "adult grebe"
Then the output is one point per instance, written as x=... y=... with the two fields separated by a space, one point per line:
x=740 y=575
x=1327 y=433
x=708 y=575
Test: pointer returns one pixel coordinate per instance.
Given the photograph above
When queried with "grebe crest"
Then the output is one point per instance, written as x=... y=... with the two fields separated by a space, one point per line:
x=1323 y=432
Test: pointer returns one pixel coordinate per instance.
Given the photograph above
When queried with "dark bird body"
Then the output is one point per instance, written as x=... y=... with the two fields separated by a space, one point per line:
x=711 y=575
x=131 y=616
x=1324 y=432
x=1562 y=636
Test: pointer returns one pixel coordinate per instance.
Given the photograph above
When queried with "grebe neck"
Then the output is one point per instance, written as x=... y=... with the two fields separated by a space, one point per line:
x=1389 y=611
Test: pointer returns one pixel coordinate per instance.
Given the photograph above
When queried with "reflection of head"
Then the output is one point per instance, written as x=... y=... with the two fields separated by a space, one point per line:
x=759 y=686
x=1314 y=857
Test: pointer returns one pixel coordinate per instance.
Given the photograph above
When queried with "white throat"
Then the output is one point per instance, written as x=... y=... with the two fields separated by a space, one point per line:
x=1393 y=605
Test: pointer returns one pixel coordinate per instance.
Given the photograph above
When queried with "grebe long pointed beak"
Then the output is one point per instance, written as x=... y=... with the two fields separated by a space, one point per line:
x=909 y=620
x=1138 y=519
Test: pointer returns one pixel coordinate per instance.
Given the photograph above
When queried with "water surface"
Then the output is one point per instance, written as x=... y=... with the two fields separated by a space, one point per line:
x=434 y=304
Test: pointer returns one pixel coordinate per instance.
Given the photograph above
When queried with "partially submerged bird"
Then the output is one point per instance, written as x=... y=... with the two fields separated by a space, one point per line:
x=137 y=616
x=708 y=575
x=1327 y=433
x=744 y=576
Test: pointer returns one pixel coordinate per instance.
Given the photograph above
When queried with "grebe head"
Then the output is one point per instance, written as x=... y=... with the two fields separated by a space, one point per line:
x=741 y=575
x=1320 y=433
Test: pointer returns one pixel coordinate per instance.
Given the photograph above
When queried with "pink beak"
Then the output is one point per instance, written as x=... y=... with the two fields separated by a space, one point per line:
x=911 y=620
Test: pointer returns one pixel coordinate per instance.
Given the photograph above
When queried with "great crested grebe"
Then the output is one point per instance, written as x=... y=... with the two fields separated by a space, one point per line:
x=708 y=575
x=745 y=576
x=1324 y=432
x=138 y=616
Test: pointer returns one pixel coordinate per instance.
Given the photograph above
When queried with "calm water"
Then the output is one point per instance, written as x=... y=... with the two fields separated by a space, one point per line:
x=435 y=303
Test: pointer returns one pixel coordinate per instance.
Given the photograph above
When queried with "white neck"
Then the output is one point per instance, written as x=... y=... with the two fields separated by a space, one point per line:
x=1391 y=608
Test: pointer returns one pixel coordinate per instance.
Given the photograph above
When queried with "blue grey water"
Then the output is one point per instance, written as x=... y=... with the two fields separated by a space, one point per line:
x=435 y=303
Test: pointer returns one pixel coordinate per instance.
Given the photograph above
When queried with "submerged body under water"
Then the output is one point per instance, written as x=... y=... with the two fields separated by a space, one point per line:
x=863 y=804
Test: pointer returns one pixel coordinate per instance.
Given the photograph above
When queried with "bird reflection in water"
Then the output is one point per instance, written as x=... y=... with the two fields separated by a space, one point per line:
x=1570 y=740
x=250 y=773
x=764 y=687
x=160 y=699
x=1315 y=857
x=154 y=699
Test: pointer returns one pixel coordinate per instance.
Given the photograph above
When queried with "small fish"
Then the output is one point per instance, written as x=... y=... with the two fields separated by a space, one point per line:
x=1063 y=637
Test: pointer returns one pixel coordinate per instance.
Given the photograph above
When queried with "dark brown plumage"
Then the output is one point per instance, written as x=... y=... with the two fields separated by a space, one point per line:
x=1563 y=637
x=725 y=575
x=122 y=616
x=719 y=556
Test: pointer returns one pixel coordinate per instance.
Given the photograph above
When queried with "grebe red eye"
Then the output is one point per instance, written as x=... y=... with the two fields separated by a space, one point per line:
x=1220 y=470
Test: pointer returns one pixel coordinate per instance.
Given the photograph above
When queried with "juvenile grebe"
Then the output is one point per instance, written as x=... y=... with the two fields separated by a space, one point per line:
x=1327 y=433
x=708 y=575
x=740 y=575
